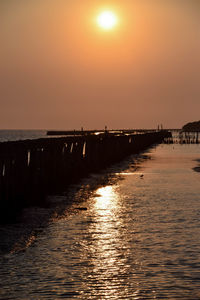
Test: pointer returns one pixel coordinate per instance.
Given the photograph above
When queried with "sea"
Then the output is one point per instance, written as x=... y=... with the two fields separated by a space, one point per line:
x=131 y=231
x=16 y=135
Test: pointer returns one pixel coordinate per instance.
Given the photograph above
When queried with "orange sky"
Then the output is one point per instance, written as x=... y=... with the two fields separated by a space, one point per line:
x=59 y=70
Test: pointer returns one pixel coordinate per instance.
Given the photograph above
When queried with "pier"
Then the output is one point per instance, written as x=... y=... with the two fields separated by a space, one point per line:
x=183 y=137
x=32 y=169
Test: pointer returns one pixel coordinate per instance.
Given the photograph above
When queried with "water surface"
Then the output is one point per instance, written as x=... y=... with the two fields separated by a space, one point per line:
x=138 y=239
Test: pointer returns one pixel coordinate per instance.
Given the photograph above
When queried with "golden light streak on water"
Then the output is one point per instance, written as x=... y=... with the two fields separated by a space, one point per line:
x=108 y=250
x=21 y=245
x=108 y=198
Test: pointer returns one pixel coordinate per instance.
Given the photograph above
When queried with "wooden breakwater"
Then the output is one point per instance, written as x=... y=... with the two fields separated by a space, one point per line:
x=32 y=169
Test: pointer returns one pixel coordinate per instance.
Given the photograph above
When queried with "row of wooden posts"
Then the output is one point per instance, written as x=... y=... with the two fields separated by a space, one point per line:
x=32 y=169
x=184 y=138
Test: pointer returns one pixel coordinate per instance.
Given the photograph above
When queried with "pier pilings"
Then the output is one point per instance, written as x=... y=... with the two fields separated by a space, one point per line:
x=32 y=169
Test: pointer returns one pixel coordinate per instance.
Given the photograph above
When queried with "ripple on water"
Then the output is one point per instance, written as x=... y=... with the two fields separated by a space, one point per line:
x=138 y=239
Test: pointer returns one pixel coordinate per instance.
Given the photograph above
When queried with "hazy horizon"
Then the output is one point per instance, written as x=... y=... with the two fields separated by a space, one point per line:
x=58 y=70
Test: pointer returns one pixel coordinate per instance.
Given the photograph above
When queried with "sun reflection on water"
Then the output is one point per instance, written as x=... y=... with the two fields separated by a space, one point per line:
x=106 y=198
x=108 y=250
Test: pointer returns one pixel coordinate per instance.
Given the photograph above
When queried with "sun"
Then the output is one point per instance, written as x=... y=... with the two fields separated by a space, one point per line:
x=107 y=20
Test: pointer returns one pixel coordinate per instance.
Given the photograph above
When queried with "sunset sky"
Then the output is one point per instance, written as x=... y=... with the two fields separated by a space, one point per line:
x=60 y=70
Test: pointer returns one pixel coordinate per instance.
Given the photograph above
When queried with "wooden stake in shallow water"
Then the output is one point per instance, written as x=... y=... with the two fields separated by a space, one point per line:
x=32 y=169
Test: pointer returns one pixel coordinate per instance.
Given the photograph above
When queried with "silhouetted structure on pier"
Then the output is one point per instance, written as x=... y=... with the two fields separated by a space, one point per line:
x=32 y=169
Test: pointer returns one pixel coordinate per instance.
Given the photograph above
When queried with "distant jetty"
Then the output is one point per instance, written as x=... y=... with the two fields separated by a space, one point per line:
x=97 y=132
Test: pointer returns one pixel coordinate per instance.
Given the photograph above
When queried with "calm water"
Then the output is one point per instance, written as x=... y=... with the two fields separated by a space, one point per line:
x=15 y=135
x=138 y=239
